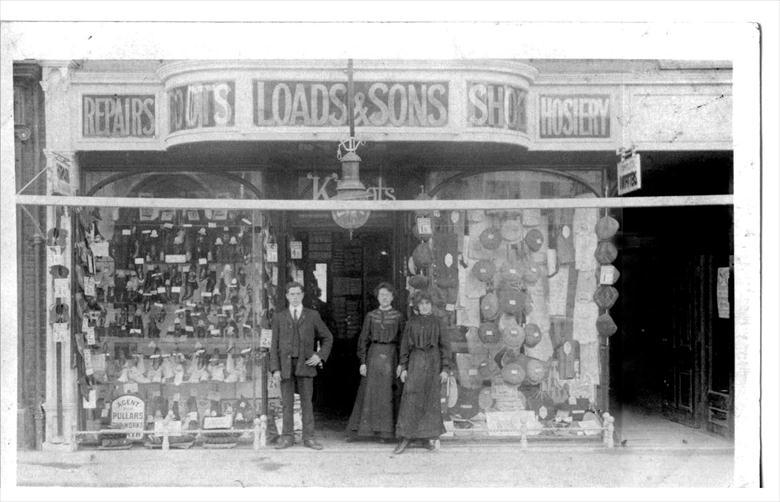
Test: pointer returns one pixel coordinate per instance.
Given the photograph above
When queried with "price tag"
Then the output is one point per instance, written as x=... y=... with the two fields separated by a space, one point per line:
x=272 y=253
x=100 y=248
x=214 y=332
x=296 y=250
x=212 y=224
x=161 y=289
x=185 y=268
x=473 y=372
x=450 y=307
x=61 y=288
x=56 y=258
x=265 y=337
x=89 y=286
x=126 y=231
x=424 y=226
x=203 y=261
x=189 y=329
x=90 y=402
x=88 y=369
x=168 y=225
x=206 y=294
x=60 y=331
x=90 y=334
x=176 y=289
x=139 y=261
x=227 y=307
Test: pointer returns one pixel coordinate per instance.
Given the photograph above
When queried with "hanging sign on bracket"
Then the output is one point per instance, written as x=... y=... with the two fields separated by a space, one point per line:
x=629 y=172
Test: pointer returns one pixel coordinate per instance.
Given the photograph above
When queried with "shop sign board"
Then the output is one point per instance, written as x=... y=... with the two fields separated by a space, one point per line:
x=324 y=104
x=59 y=175
x=118 y=116
x=128 y=412
x=202 y=105
x=629 y=174
x=499 y=106
x=574 y=116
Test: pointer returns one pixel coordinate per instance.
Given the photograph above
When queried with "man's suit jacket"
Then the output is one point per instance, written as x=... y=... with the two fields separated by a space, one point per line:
x=311 y=329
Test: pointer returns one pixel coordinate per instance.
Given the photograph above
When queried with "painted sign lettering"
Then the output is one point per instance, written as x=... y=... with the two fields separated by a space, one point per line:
x=118 y=116
x=318 y=104
x=497 y=105
x=127 y=412
x=202 y=105
x=585 y=116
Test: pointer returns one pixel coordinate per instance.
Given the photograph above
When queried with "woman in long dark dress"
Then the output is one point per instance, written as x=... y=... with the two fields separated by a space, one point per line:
x=423 y=366
x=373 y=413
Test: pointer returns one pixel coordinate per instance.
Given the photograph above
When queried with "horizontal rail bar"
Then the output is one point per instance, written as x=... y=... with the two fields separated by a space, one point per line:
x=372 y=205
x=183 y=432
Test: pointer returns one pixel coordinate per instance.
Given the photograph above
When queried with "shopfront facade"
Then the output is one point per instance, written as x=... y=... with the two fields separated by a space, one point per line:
x=160 y=315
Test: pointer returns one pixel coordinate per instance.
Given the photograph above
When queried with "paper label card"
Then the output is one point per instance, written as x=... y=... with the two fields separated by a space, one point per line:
x=61 y=288
x=296 y=250
x=100 y=248
x=60 y=330
x=272 y=253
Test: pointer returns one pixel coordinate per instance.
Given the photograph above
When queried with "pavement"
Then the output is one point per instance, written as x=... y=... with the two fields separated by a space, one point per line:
x=656 y=453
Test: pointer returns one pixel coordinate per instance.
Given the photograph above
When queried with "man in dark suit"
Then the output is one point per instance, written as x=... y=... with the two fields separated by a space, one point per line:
x=294 y=359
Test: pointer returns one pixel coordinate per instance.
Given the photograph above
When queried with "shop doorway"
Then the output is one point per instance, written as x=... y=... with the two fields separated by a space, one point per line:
x=339 y=275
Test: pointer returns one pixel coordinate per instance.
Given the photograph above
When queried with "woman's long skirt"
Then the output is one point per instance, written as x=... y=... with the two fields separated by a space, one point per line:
x=419 y=416
x=373 y=413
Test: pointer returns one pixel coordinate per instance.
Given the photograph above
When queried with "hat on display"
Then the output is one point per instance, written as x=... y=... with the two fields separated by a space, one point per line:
x=512 y=273
x=512 y=333
x=489 y=306
x=534 y=239
x=511 y=230
x=490 y=238
x=606 y=252
x=605 y=325
x=535 y=370
x=484 y=270
x=59 y=313
x=485 y=368
x=533 y=335
x=467 y=405
x=532 y=273
x=605 y=296
x=419 y=281
x=511 y=301
x=484 y=399
x=59 y=271
x=422 y=255
x=508 y=356
x=607 y=227
x=489 y=333
x=447 y=277
x=513 y=373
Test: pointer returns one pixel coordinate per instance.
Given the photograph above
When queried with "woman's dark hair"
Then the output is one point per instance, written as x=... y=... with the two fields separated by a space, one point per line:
x=421 y=295
x=384 y=285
